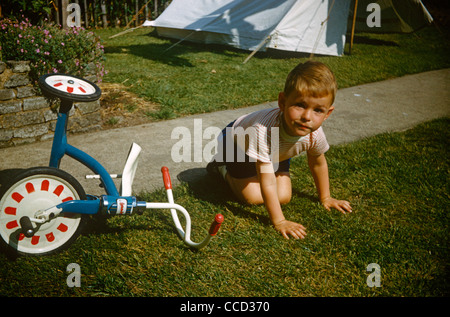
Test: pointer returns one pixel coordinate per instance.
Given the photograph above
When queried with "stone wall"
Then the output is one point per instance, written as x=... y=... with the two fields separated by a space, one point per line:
x=27 y=117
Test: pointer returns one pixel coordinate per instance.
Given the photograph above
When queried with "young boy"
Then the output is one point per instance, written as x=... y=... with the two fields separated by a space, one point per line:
x=256 y=148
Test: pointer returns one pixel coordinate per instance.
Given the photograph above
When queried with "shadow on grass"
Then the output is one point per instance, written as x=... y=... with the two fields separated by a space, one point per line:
x=214 y=190
x=171 y=52
x=154 y=52
x=361 y=39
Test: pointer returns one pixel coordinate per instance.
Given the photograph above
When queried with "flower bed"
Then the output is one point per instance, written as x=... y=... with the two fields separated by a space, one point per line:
x=50 y=48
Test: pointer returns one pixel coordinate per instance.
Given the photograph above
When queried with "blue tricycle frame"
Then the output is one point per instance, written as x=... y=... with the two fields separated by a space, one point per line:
x=106 y=204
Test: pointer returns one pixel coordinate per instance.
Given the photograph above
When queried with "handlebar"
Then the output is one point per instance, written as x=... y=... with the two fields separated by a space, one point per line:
x=215 y=225
x=166 y=177
x=185 y=235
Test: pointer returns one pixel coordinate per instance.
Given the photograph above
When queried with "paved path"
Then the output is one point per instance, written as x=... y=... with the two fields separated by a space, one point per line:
x=361 y=111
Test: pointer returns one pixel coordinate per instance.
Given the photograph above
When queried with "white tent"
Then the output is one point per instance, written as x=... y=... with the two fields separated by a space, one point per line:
x=310 y=26
x=313 y=26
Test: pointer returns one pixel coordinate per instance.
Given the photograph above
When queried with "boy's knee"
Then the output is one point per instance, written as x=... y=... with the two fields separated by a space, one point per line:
x=284 y=198
x=251 y=200
x=249 y=196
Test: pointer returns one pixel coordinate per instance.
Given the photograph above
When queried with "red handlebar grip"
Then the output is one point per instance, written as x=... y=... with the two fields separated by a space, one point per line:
x=166 y=177
x=215 y=226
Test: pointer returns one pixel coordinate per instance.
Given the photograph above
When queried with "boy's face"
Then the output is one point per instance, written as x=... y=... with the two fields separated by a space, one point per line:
x=304 y=114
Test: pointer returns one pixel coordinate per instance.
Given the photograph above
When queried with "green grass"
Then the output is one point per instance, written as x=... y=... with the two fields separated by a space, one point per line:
x=397 y=183
x=192 y=78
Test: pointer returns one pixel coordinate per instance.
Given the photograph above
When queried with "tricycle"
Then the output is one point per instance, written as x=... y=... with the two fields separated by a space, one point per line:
x=43 y=209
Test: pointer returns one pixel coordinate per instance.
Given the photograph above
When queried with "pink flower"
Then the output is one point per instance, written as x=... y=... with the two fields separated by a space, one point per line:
x=38 y=50
x=62 y=43
x=60 y=61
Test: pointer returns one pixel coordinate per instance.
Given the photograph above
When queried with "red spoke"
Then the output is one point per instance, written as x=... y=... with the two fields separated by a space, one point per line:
x=29 y=187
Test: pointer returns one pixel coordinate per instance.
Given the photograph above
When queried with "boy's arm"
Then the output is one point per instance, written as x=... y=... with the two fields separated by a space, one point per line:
x=268 y=183
x=269 y=192
x=319 y=170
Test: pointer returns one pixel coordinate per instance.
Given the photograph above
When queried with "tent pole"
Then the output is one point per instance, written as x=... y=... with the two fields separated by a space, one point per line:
x=136 y=16
x=126 y=31
x=353 y=27
x=184 y=38
x=257 y=48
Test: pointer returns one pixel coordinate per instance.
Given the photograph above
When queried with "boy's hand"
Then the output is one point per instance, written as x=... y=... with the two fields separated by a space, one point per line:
x=294 y=229
x=341 y=205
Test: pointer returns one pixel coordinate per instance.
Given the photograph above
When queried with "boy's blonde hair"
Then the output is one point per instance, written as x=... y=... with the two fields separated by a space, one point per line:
x=313 y=79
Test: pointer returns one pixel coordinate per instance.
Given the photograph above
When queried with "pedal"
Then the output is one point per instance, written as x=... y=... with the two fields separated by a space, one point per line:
x=96 y=176
x=27 y=227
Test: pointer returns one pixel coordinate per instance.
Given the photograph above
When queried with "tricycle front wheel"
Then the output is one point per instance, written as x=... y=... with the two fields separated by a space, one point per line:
x=37 y=189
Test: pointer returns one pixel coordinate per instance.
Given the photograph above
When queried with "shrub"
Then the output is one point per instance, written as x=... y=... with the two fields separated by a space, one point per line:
x=49 y=48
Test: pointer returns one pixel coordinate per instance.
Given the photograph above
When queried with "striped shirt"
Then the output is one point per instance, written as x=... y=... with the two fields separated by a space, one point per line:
x=261 y=136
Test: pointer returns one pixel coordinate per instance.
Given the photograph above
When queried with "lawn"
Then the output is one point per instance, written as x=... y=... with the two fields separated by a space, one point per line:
x=397 y=183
